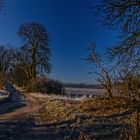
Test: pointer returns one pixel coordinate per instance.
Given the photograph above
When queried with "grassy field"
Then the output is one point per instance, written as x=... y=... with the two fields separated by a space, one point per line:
x=101 y=119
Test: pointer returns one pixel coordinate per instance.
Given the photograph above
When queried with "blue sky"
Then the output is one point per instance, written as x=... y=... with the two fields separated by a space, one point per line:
x=71 y=28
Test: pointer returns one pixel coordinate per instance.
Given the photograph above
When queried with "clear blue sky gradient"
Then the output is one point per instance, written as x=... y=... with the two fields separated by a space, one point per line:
x=71 y=28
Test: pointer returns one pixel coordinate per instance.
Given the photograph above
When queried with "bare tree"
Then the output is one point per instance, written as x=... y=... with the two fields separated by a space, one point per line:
x=129 y=81
x=125 y=15
x=5 y=58
x=103 y=76
x=5 y=64
x=34 y=54
x=23 y=60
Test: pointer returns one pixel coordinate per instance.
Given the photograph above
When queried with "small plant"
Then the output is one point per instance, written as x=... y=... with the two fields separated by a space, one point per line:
x=45 y=85
x=102 y=73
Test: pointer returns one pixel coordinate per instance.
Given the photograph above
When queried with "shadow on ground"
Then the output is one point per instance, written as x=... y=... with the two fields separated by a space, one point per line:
x=28 y=129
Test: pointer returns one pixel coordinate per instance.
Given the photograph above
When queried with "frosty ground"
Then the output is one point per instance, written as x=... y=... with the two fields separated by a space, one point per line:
x=38 y=117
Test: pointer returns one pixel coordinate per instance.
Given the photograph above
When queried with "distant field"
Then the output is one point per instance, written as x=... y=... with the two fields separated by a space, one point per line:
x=89 y=92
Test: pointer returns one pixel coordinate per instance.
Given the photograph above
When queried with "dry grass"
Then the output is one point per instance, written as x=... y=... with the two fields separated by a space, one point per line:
x=91 y=119
x=106 y=107
x=99 y=119
x=57 y=110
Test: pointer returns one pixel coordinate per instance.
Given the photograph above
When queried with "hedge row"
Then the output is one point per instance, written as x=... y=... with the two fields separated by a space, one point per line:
x=45 y=85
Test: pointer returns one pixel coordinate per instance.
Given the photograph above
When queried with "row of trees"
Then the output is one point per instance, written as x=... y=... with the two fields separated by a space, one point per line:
x=125 y=55
x=32 y=58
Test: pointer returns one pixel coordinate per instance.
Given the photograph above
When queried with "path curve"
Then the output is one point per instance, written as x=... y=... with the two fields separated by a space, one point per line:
x=19 y=104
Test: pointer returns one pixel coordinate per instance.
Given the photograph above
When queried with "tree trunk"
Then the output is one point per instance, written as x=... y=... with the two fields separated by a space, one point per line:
x=109 y=93
x=108 y=88
x=33 y=66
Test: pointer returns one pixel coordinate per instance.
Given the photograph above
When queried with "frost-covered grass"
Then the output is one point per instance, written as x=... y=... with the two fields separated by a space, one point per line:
x=75 y=94
x=85 y=91
x=58 y=97
x=107 y=119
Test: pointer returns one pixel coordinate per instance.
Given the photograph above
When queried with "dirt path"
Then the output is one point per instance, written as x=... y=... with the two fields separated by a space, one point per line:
x=19 y=117
x=18 y=105
x=19 y=120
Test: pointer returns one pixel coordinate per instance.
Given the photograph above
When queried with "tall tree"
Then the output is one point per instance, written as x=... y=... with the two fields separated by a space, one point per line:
x=35 y=46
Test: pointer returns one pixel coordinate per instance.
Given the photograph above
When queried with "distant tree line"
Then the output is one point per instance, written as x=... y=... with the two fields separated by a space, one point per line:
x=81 y=85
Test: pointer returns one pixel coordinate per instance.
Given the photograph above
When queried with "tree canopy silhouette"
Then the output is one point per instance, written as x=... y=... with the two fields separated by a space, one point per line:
x=34 y=54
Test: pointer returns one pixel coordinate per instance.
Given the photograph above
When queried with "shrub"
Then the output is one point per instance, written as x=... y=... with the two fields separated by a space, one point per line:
x=19 y=76
x=3 y=80
x=45 y=85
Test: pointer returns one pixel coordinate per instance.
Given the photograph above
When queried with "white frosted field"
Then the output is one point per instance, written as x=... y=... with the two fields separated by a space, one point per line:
x=87 y=92
x=75 y=94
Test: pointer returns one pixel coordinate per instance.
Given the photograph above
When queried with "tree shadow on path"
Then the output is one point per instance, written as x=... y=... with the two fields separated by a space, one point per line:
x=28 y=129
